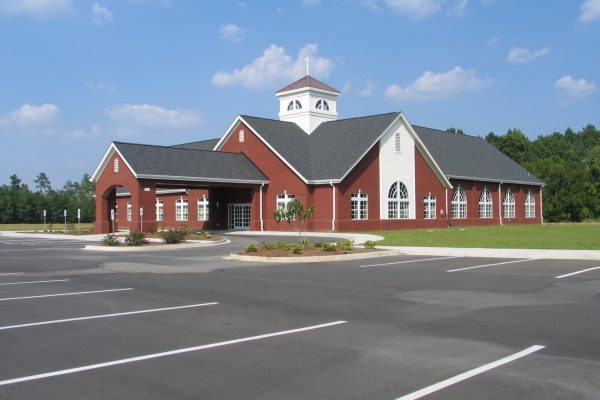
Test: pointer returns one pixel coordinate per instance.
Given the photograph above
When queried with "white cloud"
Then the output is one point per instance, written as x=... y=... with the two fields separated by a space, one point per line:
x=102 y=87
x=518 y=55
x=434 y=86
x=460 y=8
x=590 y=11
x=311 y=2
x=368 y=89
x=415 y=9
x=79 y=134
x=134 y=117
x=101 y=14
x=275 y=66
x=36 y=8
x=31 y=115
x=575 y=89
x=231 y=33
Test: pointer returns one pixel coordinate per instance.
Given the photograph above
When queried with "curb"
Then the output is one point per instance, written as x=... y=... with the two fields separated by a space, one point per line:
x=300 y=259
x=187 y=245
x=498 y=253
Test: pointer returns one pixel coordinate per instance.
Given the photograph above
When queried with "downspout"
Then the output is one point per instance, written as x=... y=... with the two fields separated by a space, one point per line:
x=261 y=207
x=542 y=204
x=333 y=208
x=447 y=213
x=500 y=201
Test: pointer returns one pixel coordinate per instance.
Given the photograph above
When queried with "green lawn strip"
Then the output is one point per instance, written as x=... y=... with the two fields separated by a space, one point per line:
x=41 y=227
x=582 y=236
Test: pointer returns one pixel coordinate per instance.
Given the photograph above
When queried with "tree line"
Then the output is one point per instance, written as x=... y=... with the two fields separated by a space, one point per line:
x=569 y=165
x=20 y=205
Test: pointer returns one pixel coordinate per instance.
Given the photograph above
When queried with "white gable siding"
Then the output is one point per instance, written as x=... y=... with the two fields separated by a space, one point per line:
x=395 y=166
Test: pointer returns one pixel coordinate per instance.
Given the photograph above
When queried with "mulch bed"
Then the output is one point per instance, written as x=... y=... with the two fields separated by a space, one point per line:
x=309 y=250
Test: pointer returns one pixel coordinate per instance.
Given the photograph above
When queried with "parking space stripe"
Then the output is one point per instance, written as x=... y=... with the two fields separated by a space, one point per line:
x=577 y=272
x=28 y=282
x=63 y=294
x=165 y=354
x=406 y=262
x=58 y=321
x=11 y=273
x=490 y=265
x=469 y=374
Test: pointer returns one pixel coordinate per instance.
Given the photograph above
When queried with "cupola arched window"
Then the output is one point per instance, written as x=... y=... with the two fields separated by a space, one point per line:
x=398 y=201
x=322 y=105
x=459 y=204
x=294 y=105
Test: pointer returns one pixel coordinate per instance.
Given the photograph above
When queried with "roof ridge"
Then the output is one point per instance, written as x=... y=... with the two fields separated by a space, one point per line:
x=363 y=117
x=195 y=141
x=447 y=132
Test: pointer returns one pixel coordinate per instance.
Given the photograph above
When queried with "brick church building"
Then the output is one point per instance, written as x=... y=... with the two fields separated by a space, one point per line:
x=367 y=173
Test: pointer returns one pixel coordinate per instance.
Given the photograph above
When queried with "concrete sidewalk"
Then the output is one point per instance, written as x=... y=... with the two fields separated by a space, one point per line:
x=498 y=253
x=359 y=238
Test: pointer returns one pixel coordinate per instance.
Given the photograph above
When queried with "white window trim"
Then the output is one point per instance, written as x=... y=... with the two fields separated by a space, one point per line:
x=241 y=136
x=486 y=204
x=459 y=204
x=359 y=206
x=116 y=165
x=282 y=200
x=398 y=207
x=181 y=209
x=203 y=209
x=429 y=207
x=129 y=211
x=160 y=210
x=508 y=209
x=398 y=143
x=529 y=205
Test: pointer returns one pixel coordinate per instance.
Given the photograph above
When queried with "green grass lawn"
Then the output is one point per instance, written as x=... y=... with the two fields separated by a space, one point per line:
x=40 y=227
x=582 y=236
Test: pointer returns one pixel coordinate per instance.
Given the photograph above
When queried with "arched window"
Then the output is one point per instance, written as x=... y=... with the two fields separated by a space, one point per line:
x=459 y=204
x=359 y=205
x=485 y=204
x=322 y=105
x=397 y=143
x=529 y=205
x=294 y=105
x=429 y=207
x=398 y=201
x=509 y=205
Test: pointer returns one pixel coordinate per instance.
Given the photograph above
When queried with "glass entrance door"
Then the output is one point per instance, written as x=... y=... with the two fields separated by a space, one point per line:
x=239 y=216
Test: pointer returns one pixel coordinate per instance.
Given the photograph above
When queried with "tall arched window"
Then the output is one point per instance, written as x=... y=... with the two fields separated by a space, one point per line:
x=485 y=204
x=529 y=205
x=398 y=201
x=509 y=205
x=459 y=204
x=294 y=105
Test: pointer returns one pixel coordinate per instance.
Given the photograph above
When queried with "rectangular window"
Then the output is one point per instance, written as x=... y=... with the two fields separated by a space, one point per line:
x=359 y=206
x=129 y=211
x=429 y=207
x=203 y=209
x=283 y=200
x=160 y=210
x=181 y=210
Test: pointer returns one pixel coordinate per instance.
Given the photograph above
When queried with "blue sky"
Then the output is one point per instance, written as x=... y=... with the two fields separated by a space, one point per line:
x=76 y=75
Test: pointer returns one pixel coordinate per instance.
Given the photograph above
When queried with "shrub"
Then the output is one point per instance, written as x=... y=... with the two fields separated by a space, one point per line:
x=110 y=240
x=136 y=239
x=318 y=244
x=153 y=229
x=303 y=241
x=251 y=248
x=266 y=246
x=173 y=236
x=184 y=229
x=329 y=246
x=283 y=245
x=369 y=244
x=345 y=245
x=296 y=248
x=207 y=235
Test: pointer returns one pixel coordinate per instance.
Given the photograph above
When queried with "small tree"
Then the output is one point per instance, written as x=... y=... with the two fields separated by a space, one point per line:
x=294 y=212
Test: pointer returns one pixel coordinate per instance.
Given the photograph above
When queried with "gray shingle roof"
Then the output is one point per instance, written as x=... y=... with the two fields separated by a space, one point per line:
x=308 y=81
x=200 y=145
x=472 y=157
x=189 y=163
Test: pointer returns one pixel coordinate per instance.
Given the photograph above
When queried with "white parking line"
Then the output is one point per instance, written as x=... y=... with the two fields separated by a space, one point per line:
x=469 y=374
x=58 y=321
x=11 y=273
x=490 y=265
x=164 y=354
x=27 y=282
x=577 y=272
x=406 y=261
x=63 y=294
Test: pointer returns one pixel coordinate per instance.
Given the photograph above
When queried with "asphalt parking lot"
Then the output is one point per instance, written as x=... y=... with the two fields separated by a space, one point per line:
x=73 y=325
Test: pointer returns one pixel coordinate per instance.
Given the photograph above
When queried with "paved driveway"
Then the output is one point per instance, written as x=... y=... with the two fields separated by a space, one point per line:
x=401 y=327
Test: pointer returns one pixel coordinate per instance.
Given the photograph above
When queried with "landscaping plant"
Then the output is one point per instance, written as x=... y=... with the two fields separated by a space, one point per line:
x=294 y=212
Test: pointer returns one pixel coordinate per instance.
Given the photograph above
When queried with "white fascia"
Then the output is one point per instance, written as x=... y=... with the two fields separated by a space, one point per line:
x=230 y=131
x=503 y=181
x=112 y=148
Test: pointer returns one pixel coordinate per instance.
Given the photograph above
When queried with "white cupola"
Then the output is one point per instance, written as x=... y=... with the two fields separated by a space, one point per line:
x=307 y=102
